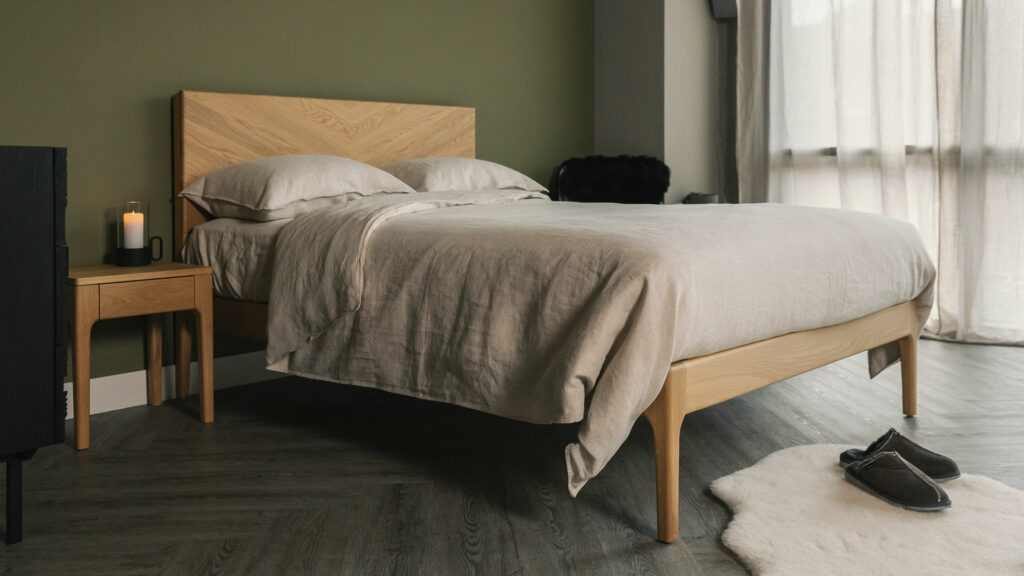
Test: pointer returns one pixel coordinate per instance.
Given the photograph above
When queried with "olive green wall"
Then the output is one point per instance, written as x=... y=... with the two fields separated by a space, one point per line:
x=97 y=77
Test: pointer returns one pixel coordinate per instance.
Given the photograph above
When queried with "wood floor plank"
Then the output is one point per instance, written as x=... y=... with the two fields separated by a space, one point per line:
x=304 y=477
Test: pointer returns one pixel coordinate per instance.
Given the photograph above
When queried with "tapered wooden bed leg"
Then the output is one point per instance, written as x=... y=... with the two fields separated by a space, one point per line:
x=908 y=364
x=666 y=416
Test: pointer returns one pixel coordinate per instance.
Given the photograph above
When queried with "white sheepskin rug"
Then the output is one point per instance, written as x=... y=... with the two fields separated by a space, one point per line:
x=795 y=515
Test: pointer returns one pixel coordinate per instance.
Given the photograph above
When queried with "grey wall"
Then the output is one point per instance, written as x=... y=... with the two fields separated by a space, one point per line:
x=691 y=98
x=629 y=63
x=656 y=87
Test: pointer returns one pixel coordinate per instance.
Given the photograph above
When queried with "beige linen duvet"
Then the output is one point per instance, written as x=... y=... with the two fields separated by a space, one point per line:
x=542 y=311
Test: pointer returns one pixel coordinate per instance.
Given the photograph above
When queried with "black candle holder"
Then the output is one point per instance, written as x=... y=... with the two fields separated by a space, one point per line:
x=141 y=256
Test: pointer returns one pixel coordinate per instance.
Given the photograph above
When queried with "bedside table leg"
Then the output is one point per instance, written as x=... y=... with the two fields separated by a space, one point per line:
x=204 y=330
x=154 y=359
x=85 y=304
x=183 y=364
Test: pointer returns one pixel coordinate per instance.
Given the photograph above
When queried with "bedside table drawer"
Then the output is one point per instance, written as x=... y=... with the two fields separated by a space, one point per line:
x=147 y=297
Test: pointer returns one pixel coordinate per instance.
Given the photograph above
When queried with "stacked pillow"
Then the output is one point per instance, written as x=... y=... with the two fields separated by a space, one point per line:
x=439 y=174
x=282 y=187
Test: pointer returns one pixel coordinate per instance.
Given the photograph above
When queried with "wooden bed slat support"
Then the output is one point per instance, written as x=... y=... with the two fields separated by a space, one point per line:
x=707 y=380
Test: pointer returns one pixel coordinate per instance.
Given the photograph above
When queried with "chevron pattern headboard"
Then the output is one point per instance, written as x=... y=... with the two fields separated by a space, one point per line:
x=214 y=130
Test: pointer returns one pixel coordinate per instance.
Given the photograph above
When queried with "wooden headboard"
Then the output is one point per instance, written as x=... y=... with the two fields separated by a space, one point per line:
x=214 y=130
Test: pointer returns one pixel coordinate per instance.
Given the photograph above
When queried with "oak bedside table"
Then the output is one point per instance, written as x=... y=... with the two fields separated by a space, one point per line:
x=107 y=291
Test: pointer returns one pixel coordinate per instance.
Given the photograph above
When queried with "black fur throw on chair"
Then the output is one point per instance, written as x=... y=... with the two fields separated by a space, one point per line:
x=622 y=179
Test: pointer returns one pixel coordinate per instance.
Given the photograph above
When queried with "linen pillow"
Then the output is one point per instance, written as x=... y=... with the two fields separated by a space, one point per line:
x=438 y=174
x=282 y=187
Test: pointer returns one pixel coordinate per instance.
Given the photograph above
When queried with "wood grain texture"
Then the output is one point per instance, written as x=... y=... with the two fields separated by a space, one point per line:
x=666 y=417
x=723 y=375
x=183 y=353
x=108 y=273
x=215 y=130
x=305 y=477
x=143 y=297
x=85 y=311
x=708 y=380
x=204 y=333
x=104 y=293
x=908 y=369
x=154 y=359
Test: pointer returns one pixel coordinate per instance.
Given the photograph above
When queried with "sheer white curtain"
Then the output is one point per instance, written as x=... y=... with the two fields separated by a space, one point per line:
x=913 y=109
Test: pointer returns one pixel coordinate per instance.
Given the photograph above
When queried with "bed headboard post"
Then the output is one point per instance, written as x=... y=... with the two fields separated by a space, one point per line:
x=186 y=214
x=214 y=130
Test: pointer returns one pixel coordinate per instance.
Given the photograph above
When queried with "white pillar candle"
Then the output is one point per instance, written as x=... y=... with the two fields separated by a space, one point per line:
x=133 y=231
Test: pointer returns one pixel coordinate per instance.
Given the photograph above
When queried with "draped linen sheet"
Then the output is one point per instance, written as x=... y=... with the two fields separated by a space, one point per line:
x=549 y=312
x=240 y=252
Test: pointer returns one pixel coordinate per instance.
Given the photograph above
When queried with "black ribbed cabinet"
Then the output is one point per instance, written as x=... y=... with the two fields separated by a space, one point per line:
x=33 y=314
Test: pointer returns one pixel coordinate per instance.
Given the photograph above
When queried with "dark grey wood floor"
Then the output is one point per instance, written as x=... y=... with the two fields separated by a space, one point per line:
x=303 y=477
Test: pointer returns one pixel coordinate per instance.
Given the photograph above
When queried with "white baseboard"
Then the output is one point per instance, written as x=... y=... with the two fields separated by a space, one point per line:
x=129 y=389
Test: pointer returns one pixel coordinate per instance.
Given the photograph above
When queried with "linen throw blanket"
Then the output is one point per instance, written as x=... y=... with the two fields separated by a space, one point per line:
x=550 y=312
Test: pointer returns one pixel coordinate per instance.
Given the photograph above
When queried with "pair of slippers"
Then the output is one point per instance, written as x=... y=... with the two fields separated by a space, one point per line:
x=901 y=472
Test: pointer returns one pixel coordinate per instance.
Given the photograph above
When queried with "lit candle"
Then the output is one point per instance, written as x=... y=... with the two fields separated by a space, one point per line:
x=133 y=233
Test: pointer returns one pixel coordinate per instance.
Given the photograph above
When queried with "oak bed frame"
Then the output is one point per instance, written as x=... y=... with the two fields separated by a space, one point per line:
x=214 y=130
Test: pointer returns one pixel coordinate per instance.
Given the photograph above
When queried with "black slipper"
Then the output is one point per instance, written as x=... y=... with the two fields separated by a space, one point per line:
x=938 y=467
x=889 y=477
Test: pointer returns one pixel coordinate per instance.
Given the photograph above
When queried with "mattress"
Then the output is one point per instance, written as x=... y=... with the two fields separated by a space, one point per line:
x=240 y=252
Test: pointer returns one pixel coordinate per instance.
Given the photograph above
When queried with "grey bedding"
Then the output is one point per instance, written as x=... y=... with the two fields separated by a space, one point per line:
x=240 y=252
x=505 y=302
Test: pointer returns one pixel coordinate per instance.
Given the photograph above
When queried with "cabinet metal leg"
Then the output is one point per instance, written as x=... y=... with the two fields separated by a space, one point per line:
x=14 y=515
